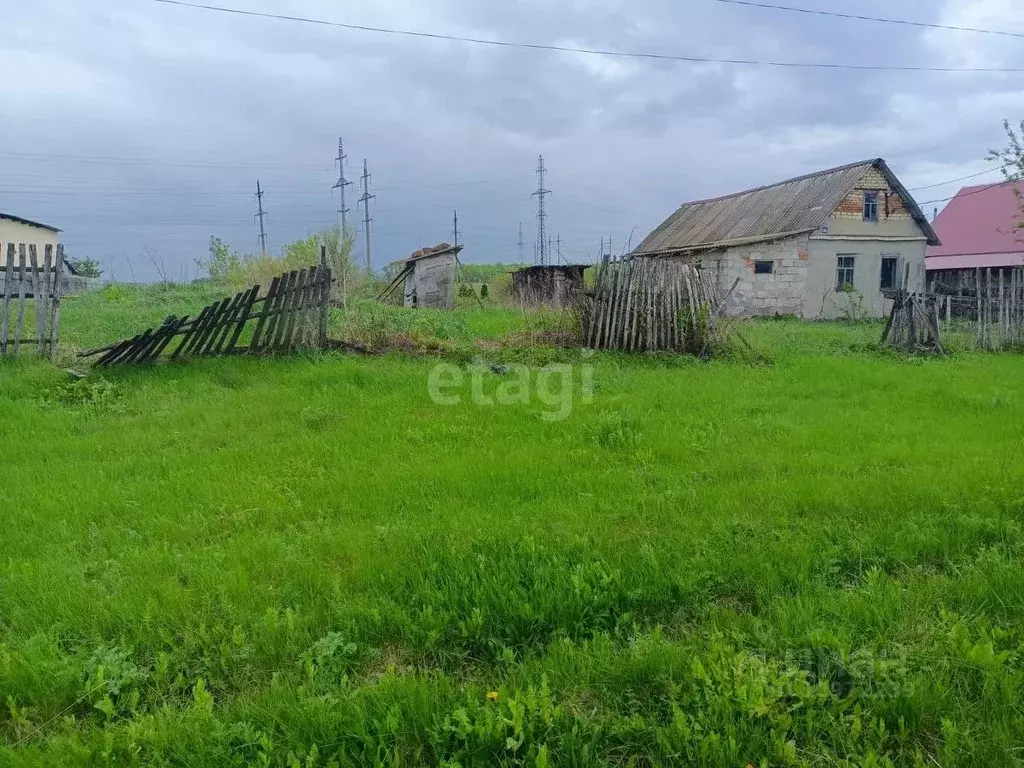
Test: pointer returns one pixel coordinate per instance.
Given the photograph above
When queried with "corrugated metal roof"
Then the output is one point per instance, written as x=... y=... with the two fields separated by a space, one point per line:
x=979 y=229
x=788 y=208
x=31 y=223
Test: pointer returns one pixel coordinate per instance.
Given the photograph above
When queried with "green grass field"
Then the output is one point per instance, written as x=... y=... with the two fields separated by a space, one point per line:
x=811 y=557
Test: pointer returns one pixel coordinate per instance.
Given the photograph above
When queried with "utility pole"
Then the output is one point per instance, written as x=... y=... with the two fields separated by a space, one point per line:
x=455 y=227
x=365 y=200
x=600 y=252
x=521 y=242
x=549 y=247
x=540 y=194
x=260 y=215
x=342 y=183
x=558 y=243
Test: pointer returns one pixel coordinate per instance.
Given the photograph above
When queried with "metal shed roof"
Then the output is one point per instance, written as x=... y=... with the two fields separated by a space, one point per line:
x=979 y=228
x=791 y=207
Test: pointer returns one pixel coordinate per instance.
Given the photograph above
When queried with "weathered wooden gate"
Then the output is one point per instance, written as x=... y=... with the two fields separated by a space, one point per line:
x=26 y=277
x=281 y=320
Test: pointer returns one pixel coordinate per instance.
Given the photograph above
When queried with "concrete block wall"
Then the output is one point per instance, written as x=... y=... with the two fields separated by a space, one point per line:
x=780 y=293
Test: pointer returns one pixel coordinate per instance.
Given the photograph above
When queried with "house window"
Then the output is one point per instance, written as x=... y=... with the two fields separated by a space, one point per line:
x=844 y=271
x=890 y=264
x=870 y=206
x=764 y=267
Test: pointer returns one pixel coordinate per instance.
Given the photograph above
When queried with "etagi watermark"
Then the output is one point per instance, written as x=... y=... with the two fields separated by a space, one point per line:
x=556 y=388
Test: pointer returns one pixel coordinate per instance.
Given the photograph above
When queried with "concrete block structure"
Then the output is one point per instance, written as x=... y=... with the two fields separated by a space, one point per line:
x=819 y=246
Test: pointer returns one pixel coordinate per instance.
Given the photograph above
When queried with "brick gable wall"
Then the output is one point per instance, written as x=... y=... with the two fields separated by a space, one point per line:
x=890 y=204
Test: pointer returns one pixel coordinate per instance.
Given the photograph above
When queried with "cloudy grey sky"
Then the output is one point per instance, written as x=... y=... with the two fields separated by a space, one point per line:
x=140 y=128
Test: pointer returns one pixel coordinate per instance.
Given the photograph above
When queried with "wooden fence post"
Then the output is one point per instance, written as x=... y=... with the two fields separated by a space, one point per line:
x=324 y=295
x=8 y=275
x=58 y=287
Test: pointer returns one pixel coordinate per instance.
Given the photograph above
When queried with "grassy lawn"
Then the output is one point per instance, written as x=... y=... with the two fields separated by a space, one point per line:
x=812 y=560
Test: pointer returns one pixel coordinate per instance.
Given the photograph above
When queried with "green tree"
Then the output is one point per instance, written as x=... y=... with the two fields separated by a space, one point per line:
x=85 y=267
x=222 y=262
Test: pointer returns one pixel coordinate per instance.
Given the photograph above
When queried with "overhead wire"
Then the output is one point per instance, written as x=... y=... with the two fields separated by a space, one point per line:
x=583 y=50
x=858 y=17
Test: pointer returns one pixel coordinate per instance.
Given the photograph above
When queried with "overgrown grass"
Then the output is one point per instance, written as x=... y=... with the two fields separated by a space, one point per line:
x=813 y=561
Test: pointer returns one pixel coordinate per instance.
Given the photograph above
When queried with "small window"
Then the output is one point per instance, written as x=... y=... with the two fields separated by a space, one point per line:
x=844 y=271
x=764 y=267
x=889 y=266
x=870 y=206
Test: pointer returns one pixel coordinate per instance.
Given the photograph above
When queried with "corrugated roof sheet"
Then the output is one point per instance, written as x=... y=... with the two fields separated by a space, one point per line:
x=979 y=229
x=788 y=208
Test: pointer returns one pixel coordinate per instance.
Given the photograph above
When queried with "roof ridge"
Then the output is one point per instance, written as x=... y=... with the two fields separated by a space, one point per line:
x=763 y=187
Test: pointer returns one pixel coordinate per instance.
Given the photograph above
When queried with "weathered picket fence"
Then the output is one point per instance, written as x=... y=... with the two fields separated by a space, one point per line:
x=648 y=304
x=283 y=319
x=26 y=277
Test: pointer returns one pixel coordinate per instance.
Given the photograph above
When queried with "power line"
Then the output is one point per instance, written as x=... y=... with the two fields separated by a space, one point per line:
x=838 y=15
x=962 y=178
x=587 y=51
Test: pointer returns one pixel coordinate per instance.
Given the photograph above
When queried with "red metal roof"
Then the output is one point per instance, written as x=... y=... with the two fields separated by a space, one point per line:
x=979 y=229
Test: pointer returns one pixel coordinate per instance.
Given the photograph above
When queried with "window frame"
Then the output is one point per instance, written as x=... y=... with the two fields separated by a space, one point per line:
x=871 y=203
x=842 y=268
x=895 y=259
x=758 y=263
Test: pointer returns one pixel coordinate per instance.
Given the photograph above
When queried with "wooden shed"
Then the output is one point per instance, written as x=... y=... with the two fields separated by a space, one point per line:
x=551 y=285
x=429 y=277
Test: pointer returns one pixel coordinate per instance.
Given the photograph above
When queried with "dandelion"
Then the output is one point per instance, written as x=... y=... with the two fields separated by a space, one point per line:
x=492 y=695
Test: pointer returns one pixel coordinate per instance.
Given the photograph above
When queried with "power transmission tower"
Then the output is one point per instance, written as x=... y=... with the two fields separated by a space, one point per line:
x=342 y=183
x=521 y=243
x=260 y=215
x=365 y=200
x=455 y=227
x=540 y=194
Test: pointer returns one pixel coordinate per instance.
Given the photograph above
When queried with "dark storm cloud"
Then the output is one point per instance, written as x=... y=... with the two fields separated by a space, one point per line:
x=140 y=128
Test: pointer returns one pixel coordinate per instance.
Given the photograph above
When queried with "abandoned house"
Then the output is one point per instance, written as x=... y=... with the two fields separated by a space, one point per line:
x=429 y=277
x=550 y=285
x=817 y=246
x=979 y=230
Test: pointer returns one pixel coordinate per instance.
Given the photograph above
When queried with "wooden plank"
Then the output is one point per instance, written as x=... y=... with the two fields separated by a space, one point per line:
x=302 y=316
x=44 y=336
x=115 y=351
x=140 y=345
x=275 y=328
x=187 y=339
x=242 y=319
x=206 y=336
x=19 y=328
x=172 y=331
x=33 y=270
x=268 y=305
x=282 y=334
x=58 y=290
x=5 y=320
x=293 y=314
x=225 y=324
x=323 y=298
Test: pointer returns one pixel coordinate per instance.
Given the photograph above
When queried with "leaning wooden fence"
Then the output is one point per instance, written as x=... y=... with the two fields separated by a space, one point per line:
x=26 y=277
x=649 y=304
x=282 y=320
